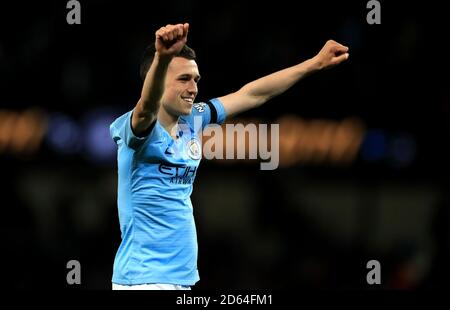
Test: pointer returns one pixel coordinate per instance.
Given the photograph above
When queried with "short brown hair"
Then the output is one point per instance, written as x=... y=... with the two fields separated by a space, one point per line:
x=149 y=54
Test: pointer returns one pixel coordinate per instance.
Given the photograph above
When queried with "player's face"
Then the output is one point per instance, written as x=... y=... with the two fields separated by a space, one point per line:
x=180 y=86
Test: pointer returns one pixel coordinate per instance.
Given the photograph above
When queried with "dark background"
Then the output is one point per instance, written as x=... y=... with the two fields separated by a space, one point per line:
x=309 y=224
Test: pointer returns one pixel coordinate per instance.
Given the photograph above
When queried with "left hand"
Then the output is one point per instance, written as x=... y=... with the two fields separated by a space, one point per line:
x=331 y=54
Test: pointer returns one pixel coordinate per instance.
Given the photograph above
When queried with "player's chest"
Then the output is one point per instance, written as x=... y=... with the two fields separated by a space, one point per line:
x=185 y=150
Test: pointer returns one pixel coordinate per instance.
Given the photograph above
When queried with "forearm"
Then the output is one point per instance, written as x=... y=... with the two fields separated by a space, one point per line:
x=153 y=87
x=276 y=83
x=259 y=91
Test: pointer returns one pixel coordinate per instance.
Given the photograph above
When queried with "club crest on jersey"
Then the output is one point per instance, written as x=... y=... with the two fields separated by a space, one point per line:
x=200 y=106
x=194 y=149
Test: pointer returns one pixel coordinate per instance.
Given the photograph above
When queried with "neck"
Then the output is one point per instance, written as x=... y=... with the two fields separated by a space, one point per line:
x=168 y=121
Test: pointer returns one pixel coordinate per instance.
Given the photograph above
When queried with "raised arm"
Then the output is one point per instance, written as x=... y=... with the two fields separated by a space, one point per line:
x=169 y=40
x=261 y=90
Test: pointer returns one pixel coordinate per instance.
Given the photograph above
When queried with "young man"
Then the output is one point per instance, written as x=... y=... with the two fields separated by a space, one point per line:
x=159 y=153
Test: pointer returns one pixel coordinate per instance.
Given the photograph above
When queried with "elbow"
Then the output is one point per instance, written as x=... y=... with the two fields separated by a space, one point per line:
x=140 y=121
x=260 y=100
x=254 y=100
x=146 y=108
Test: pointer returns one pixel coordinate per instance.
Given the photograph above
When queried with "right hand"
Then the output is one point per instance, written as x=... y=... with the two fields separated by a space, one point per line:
x=171 y=39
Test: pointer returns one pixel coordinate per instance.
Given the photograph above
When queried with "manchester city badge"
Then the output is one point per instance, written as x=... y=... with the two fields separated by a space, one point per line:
x=194 y=149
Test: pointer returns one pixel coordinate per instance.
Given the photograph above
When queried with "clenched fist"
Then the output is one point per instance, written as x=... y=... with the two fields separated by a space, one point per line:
x=331 y=54
x=171 y=39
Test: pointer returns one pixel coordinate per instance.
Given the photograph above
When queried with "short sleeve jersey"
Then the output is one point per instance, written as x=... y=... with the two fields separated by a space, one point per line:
x=155 y=180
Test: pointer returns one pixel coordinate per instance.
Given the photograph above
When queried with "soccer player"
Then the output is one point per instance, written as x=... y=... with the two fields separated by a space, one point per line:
x=159 y=153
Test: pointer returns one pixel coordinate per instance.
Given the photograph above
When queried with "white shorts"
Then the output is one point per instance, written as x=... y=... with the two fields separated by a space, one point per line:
x=153 y=286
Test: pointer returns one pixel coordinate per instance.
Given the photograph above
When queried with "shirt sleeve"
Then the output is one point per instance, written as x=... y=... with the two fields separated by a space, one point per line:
x=210 y=112
x=121 y=132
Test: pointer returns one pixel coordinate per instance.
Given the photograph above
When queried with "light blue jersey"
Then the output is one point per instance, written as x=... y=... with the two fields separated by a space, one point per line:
x=155 y=178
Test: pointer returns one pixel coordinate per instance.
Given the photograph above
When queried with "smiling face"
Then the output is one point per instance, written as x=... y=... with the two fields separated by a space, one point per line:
x=180 y=87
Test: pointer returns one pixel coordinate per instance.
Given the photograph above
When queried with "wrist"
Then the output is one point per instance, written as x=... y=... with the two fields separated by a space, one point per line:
x=316 y=63
x=163 y=58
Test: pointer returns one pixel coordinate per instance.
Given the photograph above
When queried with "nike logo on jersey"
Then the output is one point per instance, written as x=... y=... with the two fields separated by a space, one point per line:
x=168 y=151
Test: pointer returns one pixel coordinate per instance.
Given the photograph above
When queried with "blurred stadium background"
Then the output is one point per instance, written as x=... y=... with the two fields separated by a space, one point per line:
x=364 y=146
